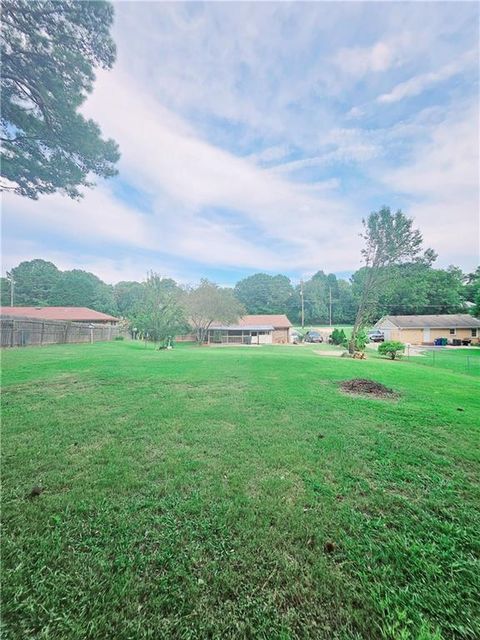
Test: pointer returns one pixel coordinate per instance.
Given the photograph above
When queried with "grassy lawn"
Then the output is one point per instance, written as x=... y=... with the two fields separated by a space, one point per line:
x=460 y=360
x=237 y=493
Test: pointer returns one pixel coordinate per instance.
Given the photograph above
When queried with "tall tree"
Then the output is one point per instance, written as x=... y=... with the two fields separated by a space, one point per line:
x=34 y=282
x=160 y=314
x=415 y=288
x=77 y=288
x=50 y=49
x=128 y=295
x=263 y=293
x=389 y=240
x=345 y=306
x=472 y=290
x=208 y=303
x=5 y=289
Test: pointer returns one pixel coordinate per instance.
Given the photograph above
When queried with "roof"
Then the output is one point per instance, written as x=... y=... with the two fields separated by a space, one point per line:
x=443 y=321
x=279 y=321
x=74 y=314
x=243 y=327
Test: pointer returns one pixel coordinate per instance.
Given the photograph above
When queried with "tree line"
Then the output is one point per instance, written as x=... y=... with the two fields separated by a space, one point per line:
x=414 y=287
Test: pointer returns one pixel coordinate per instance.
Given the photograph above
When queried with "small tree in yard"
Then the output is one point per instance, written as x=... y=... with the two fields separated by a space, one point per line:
x=160 y=314
x=389 y=240
x=208 y=303
x=338 y=337
x=392 y=349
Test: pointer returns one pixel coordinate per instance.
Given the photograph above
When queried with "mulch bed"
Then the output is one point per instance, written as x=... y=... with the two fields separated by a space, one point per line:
x=364 y=386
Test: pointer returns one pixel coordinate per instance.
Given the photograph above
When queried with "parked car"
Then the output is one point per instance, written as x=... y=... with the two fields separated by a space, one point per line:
x=313 y=336
x=376 y=336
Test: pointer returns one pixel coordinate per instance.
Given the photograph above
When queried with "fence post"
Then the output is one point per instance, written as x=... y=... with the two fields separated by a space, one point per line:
x=12 y=334
x=41 y=335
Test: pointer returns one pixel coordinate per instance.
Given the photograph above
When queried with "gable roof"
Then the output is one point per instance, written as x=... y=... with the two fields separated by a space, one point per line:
x=73 y=314
x=279 y=321
x=441 y=321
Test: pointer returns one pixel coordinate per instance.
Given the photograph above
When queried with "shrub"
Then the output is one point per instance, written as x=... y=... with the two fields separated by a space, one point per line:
x=361 y=341
x=119 y=338
x=338 y=337
x=392 y=349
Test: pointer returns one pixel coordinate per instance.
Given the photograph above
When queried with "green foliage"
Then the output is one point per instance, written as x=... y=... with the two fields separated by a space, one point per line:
x=5 y=289
x=262 y=293
x=391 y=348
x=128 y=295
x=208 y=303
x=472 y=291
x=339 y=337
x=79 y=288
x=390 y=240
x=316 y=296
x=50 y=49
x=160 y=314
x=360 y=340
x=413 y=288
x=35 y=282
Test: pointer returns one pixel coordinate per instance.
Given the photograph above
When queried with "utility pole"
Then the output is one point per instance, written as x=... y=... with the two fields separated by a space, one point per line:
x=330 y=304
x=12 y=285
x=303 y=305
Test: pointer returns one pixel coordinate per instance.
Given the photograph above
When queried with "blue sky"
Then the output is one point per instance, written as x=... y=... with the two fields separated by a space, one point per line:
x=255 y=137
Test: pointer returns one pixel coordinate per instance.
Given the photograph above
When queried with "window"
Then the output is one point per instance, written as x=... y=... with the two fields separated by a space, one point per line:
x=453 y=332
x=474 y=333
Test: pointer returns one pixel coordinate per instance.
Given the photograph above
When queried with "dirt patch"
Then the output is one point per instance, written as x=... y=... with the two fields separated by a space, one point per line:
x=364 y=386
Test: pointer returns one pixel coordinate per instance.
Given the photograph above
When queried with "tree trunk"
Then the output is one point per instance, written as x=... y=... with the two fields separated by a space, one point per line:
x=362 y=312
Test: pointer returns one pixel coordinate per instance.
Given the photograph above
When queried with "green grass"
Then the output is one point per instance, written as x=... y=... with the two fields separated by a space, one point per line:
x=190 y=494
x=459 y=360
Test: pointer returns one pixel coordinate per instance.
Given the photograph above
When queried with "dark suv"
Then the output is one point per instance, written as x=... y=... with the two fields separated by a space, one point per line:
x=313 y=336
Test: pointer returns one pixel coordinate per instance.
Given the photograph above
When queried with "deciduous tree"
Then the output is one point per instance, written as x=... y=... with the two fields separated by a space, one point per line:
x=208 y=303
x=263 y=293
x=390 y=239
x=160 y=315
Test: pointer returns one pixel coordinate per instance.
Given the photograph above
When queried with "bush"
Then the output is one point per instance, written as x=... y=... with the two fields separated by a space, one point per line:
x=392 y=349
x=119 y=338
x=361 y=341
x=338 y=337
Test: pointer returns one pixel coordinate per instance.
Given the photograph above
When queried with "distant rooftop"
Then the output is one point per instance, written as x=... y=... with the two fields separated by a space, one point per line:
x=73 y=314
x=441 y=321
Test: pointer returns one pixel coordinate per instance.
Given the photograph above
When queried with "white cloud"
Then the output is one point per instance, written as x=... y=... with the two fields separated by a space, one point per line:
x=185 y=174
x=358 y=61
x=441 y=181
x=416 y=85
x=98 y=217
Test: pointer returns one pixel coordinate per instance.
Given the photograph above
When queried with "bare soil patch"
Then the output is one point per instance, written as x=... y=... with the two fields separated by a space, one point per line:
x=363 y=386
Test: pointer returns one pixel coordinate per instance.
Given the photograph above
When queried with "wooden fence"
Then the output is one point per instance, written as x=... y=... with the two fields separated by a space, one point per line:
x=25 y=332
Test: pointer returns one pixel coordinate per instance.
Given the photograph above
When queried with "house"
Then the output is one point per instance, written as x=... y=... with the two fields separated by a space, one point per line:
x=252 y=329
x=456 y=328
x=69 y=314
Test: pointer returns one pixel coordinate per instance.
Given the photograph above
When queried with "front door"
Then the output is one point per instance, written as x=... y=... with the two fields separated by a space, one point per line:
x=426 y=335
